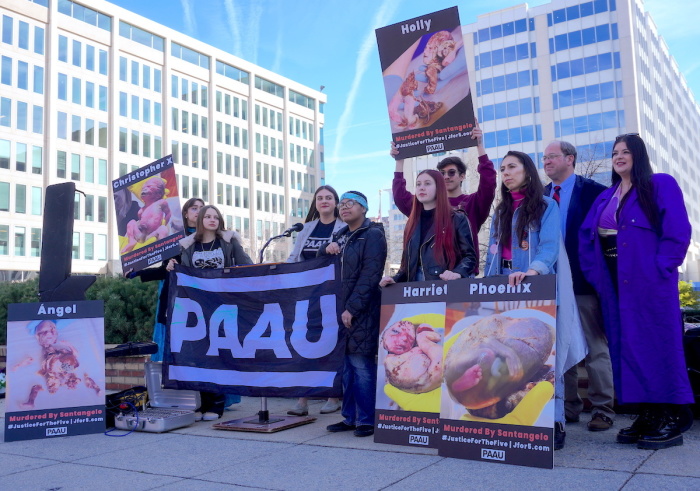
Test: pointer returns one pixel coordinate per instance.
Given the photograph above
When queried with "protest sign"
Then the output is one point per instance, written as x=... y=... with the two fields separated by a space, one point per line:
x=55 y=370
x=426 y=83
x=149 y=219
x=467 y=367
x=263 y=330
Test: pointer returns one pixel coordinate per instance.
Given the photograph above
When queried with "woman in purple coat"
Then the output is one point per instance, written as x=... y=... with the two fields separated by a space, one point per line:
x=631 y=244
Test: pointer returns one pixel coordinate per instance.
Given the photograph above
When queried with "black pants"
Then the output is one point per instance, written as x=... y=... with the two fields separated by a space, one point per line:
x=212 y=402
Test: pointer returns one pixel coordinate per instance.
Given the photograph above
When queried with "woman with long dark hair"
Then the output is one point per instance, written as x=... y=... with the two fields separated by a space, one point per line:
x=525 y=230
x=525 y=240
x=438 y=241
x=321 y=223
x=211 y=246
x=631 y=244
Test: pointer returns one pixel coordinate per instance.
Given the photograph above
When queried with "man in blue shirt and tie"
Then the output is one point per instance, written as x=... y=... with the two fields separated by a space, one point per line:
x=575 y=195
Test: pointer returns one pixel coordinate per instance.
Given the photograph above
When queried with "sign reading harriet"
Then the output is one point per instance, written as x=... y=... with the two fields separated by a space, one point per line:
x=427 y=84
x=149 y=219
x=467 y=367
x=55 y=370
x=265 y=330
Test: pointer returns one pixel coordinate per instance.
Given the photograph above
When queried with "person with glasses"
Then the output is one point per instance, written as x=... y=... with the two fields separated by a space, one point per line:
x=437 y=240
x=525 y=240
x=632 y=242
x=321 y=223
x=575 y=195
x=477 y=206
x=362 y=248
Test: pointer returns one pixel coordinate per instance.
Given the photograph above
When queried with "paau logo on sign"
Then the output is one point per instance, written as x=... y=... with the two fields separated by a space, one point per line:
x=63 y=430
x=437 y=147
x=418 y=439
x=490 y=454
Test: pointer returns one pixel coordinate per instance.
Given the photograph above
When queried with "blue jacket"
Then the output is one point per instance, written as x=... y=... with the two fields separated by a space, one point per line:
x=582 y=197
x=542 y=244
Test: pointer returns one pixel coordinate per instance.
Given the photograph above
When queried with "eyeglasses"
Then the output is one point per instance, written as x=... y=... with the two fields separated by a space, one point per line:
x=626 y=134
x=551 y=156
x=348 y=203
x=451 y=172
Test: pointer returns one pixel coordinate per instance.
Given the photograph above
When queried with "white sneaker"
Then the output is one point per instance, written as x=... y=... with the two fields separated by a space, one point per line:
x=197 y=416
x=210 y=417
x=330 y=407
x=299 y=410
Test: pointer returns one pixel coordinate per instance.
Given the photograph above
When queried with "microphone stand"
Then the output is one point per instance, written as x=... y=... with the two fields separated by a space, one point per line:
x=288 y=233
x=264 y=424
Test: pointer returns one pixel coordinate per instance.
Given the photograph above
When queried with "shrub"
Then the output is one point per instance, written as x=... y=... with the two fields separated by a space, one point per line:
x=689 y=298
x=129 y=306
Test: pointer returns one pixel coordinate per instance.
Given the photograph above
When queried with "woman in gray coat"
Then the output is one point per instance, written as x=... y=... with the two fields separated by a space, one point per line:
x=321 y=223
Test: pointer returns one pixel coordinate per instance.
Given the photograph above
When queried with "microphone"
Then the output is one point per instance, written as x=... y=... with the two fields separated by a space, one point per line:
x=297 y=227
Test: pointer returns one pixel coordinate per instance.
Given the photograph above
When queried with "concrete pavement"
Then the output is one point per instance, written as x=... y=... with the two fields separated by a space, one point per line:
x=308 y=457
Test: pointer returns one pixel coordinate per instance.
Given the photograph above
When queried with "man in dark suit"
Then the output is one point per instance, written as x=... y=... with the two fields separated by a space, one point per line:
x=575 y=195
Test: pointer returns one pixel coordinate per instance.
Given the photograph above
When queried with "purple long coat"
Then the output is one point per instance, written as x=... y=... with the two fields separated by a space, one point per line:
x=644 y=326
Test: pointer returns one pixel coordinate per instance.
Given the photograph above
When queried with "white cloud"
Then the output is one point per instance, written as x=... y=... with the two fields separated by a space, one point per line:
x=277 y=63
x=381 y=18
x=252 y=31
x=190 y=21
x=233 y=23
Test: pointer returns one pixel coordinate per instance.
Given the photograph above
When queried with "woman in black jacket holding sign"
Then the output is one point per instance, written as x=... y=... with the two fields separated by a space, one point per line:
x=438 y=241
x=362 y=248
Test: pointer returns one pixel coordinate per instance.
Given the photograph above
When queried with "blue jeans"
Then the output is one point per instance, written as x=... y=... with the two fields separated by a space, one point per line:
x=559 y=398
x=359 y=389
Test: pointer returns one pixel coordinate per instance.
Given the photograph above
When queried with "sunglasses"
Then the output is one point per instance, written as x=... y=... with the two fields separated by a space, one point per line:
x=625 y=135
x=450 y=173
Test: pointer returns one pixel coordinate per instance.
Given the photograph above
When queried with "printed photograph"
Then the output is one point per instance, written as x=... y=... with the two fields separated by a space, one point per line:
x=427 y=80
x=499 y=362
x=55 y=363
x=147 y=211
x=409 y=369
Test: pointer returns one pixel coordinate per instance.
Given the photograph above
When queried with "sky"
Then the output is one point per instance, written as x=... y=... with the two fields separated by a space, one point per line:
x=332 y=43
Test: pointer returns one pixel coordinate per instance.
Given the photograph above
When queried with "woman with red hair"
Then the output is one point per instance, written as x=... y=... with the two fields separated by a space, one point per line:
x=437 y=240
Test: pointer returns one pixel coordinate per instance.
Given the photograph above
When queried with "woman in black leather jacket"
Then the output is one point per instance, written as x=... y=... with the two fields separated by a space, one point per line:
x=438 y=242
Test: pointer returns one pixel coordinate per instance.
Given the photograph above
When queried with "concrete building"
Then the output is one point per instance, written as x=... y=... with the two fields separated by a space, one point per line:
x=585 y=72
x=91 y=92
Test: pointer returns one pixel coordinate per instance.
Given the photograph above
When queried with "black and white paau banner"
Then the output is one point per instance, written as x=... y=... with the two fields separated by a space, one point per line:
x=265 y=330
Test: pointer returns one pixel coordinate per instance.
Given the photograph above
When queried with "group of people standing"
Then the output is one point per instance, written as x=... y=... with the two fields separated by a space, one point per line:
x=616 y=252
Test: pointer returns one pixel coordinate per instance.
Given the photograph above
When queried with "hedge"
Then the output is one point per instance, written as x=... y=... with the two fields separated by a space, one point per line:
x=129 y=306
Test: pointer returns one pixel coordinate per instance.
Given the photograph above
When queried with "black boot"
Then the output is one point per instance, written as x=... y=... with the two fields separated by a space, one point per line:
x=666 y=431
x=641 y=424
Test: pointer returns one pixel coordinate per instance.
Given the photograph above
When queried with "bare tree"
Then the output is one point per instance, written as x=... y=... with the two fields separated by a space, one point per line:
x=591 y=165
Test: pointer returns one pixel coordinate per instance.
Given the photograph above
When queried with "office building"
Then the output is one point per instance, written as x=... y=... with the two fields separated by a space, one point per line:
x=90 y=92
x=585 y=72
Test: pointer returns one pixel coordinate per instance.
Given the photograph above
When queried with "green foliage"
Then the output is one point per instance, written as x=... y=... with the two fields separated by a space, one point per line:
x=130 y=306
x=689 y=298
x=24 y=292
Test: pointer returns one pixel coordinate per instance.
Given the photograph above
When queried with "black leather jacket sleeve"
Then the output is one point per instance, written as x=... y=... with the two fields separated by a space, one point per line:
x=465 y=243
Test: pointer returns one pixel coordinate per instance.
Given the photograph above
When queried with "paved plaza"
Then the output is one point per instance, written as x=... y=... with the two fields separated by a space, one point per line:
x=309 y=458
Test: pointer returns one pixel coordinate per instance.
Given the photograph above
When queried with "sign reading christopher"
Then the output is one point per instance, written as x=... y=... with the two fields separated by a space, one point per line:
x=467 y=367
x=427 y=84
x=149 y=221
